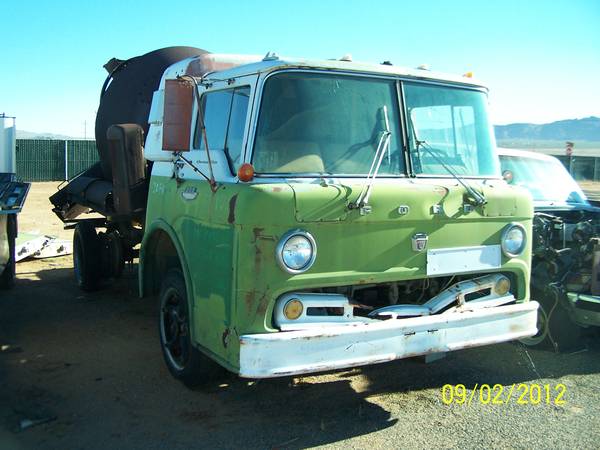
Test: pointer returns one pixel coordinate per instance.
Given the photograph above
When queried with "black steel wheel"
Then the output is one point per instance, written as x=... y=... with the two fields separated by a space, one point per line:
x=185 y=362
x=87 y=258
x=113 y=260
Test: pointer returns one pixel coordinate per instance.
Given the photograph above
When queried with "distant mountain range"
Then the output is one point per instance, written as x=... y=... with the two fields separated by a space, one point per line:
x=587 y=129
x=21 y=134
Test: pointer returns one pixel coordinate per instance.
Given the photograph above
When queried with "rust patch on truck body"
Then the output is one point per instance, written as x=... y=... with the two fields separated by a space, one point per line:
x=232 y=203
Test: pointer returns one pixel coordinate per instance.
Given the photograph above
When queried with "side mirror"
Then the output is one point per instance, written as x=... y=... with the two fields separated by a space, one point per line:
x=508 y=176
x=177 y=115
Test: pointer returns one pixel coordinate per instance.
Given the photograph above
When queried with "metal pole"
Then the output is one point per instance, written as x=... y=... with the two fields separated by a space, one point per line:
x=66 y=160
x=571 y=166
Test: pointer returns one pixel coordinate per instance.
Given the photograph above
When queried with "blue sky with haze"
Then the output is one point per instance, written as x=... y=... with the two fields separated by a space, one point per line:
x=541 y=59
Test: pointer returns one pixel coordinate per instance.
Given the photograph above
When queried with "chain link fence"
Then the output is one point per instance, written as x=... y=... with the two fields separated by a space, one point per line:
x=54 y=160
x=58 y=160
x=586 y=171
x=582 y=168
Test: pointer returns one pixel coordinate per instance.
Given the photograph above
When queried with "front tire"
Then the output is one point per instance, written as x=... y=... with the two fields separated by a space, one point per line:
x=184 y=361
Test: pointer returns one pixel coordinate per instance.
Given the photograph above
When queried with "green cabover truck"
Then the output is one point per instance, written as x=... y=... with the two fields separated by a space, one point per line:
x=299 y=216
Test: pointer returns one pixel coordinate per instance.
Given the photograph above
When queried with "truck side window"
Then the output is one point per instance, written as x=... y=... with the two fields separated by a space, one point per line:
x=216 y=107
x=237 y=122
x=225 y=119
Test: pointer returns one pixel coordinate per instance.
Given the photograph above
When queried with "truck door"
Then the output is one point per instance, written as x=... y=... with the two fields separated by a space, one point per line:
x=207 y=236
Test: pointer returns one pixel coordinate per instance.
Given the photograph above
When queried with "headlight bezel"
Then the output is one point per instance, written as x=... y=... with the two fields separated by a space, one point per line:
x=281 y=245
x=505 y=233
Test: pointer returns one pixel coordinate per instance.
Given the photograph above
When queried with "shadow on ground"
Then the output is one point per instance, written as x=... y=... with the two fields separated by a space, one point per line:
x=91 y=364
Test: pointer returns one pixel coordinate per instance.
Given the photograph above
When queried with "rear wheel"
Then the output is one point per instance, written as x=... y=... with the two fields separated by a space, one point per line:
x=113 y=260
x=185 y=362
x=87 y=258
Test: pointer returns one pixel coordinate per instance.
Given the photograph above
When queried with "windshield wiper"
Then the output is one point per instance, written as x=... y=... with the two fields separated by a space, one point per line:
x=362 y=202
x=475 y=198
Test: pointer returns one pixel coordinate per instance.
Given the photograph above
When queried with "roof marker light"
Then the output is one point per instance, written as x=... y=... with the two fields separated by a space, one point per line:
x=271 y=56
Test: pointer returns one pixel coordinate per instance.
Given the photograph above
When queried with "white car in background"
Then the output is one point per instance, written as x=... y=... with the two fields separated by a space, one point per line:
x=565 y=276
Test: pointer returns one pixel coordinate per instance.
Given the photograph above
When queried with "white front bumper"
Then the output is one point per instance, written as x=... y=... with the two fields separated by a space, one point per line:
x=334 y=347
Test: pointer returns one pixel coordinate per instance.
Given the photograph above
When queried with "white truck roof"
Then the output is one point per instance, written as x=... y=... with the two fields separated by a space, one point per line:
x=240 y=65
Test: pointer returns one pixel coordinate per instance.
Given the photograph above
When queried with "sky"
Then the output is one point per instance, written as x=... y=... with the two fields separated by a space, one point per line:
x=540 y=59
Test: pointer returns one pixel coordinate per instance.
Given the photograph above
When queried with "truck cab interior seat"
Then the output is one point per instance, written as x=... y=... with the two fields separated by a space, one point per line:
x=278 y=156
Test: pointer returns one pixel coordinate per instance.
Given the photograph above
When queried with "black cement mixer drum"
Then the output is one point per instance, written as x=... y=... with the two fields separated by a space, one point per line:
x=127 y=93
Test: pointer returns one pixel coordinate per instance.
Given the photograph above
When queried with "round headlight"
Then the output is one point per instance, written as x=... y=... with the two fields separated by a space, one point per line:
x=296 y=251
x=513 y=240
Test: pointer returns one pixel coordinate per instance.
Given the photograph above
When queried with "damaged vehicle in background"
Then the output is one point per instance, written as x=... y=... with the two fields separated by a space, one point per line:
x=565 y=251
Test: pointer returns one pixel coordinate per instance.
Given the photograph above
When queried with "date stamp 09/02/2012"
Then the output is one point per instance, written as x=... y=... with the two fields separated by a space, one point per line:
x=497 y=394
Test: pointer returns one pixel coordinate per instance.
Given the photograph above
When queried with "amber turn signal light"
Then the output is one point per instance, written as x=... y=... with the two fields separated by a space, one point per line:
x=246 y=172
x=293 y=309
x=502 y=286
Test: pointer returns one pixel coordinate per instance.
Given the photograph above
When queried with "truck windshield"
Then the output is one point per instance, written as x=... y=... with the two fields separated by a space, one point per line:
x=313 y=123
x=454 y=124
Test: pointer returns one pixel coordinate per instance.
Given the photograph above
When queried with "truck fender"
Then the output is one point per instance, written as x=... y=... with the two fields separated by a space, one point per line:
x=156 y=228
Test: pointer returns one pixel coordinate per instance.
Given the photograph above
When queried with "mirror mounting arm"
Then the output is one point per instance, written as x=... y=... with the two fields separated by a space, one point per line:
x=211 y=180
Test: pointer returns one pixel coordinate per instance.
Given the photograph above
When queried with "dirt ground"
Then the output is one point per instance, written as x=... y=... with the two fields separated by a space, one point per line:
x=89 y=367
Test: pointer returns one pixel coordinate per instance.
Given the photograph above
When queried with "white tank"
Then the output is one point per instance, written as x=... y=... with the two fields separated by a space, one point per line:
x=8 y=144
